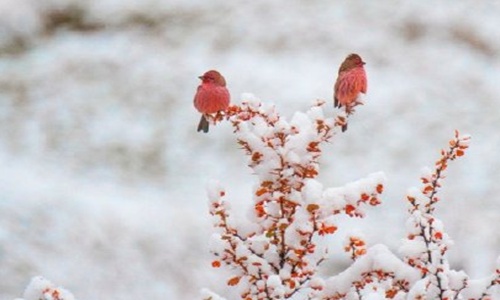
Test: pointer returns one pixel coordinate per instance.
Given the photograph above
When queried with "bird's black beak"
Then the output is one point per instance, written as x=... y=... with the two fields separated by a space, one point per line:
x=201 y=77
x=363 y=63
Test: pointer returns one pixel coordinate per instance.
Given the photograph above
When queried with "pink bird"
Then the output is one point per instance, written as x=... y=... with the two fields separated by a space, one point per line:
x=350 y=82
x=212 y=96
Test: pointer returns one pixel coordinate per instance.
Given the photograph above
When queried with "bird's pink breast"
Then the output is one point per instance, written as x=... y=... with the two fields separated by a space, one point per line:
x=211 y=98
x=350 y=84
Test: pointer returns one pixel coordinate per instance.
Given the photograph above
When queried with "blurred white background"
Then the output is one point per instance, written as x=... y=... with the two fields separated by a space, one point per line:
x=102 y=173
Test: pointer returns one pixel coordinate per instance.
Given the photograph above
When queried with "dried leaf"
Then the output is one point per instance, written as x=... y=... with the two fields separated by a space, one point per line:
x=233 y=281
x=311 y=208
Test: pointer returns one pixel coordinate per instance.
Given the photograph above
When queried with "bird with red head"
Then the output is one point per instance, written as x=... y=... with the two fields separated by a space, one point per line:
x=211 y=97
x=351 y=81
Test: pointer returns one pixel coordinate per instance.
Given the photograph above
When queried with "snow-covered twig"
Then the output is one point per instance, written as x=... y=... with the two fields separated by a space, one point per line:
x=41 y=289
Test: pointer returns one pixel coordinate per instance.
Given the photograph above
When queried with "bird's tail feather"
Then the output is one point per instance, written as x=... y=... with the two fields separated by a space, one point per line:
x=203 y=125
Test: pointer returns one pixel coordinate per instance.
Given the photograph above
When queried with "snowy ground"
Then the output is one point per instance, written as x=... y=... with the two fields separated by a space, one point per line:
x=102 y=178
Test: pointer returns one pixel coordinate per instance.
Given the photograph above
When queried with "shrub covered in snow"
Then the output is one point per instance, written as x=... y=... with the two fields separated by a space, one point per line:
x=277 y=253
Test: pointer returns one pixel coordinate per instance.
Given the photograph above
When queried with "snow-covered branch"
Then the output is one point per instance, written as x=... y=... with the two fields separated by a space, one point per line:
x=427 y=242
x=41 y=289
